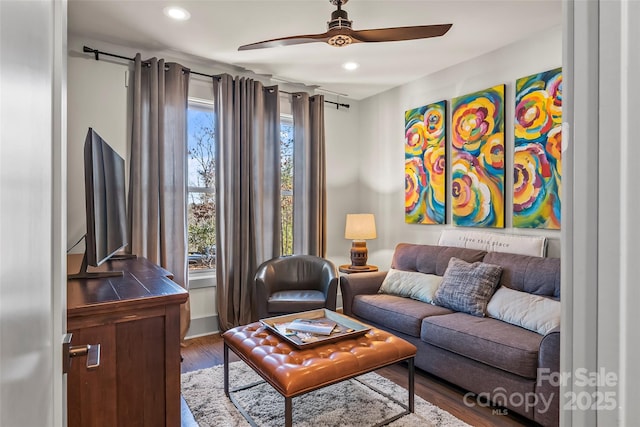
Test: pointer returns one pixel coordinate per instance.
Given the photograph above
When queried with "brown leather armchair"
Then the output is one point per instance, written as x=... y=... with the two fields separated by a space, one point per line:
x=295 y=283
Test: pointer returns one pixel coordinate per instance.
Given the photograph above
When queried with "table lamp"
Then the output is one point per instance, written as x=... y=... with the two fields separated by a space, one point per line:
x=359 y=228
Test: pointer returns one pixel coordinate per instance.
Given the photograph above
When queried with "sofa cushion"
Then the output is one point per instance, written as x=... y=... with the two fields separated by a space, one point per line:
x=468 y=287
x=538 y=276
x=430 y=259
x=532 y=312
x=490 y=341
x=411 y=284
x=397 y=313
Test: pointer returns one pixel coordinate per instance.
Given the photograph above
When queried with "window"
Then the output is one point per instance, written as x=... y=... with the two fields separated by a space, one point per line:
x=286 y=184
x=201 y=203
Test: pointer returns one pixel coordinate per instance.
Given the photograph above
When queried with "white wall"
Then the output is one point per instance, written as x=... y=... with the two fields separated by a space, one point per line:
x=97 y=98
x=380 y=159
x=343 y=149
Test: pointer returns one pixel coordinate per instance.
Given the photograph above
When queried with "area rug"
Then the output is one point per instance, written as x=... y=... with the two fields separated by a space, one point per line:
x=348 y=403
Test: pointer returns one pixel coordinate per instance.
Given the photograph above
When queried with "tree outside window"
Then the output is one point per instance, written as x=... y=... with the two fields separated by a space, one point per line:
x=201 y=209
x=286 y=184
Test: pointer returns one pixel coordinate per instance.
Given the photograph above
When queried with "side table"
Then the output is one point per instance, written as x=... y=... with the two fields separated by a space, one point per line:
x=347 y=268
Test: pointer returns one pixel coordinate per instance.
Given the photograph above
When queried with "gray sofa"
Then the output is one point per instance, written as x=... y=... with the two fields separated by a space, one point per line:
x=491 y=358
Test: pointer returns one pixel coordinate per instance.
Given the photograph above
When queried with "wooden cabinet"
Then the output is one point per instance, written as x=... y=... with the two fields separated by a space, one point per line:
x=136 y=320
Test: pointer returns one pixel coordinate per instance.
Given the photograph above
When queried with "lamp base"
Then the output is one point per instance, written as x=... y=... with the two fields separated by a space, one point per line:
x=359 y=253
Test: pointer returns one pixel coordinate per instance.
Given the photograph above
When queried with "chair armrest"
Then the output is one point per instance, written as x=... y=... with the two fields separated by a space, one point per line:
x=547 y=381
x=331 y=293
x=359 y=284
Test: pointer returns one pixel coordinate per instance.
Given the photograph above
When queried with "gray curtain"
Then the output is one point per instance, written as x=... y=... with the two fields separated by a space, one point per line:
x=158 y=169
x=247 y=117
x=309 y=165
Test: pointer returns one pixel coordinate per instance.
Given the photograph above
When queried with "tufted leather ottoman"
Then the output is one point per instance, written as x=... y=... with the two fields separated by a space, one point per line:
x=293 y=372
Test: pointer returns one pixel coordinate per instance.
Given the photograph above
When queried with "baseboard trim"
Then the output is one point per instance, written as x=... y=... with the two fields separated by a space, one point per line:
x=203 y=326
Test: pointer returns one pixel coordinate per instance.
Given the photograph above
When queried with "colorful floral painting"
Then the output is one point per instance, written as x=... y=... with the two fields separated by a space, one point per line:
x=425 y=164
x=477 y=165
x=537 y=155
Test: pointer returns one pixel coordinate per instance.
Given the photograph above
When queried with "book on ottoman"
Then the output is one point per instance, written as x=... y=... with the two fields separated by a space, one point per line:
x=313 y=326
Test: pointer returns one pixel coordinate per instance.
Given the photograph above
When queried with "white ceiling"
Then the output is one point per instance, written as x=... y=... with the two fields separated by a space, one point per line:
x=218 y=27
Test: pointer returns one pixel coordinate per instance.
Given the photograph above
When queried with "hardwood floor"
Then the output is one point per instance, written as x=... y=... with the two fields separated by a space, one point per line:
x=204 y=352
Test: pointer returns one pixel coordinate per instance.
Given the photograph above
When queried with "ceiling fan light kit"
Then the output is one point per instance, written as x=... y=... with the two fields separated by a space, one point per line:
x=340 y=40
x=340 y=33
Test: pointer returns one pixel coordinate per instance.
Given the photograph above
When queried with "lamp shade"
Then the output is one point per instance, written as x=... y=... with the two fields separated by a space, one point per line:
x=360 y=227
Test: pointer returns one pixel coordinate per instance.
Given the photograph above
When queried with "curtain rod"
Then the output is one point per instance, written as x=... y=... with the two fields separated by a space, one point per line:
x=337 y=104
x=97 y=54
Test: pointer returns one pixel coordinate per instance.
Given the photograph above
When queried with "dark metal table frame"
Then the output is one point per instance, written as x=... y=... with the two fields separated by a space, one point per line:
x=288 y=404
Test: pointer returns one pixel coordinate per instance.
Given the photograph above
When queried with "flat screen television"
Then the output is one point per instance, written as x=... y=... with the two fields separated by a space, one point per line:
x=106 y=210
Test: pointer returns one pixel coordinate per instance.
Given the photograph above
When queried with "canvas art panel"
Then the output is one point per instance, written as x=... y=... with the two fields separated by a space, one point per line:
x=477 y=164
x=425 y=164
x=537 y=158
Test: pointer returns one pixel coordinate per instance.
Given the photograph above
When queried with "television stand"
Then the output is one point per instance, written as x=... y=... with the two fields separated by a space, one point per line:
x=120 y=257
x=94 y=275
x=84 y=274
x=136 y=320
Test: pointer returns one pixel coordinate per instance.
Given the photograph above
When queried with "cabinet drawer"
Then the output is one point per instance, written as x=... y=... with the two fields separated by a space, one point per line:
x=114 y=317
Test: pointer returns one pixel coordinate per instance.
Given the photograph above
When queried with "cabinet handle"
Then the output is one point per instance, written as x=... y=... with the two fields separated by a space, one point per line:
x=92 y=351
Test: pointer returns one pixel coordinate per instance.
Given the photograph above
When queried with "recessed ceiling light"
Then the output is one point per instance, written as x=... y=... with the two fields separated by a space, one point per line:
x=350 y=66
x=177 y=13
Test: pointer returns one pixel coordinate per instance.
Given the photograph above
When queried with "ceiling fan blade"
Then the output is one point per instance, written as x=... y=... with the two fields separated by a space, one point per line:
x=400 y=33
x=287 y=41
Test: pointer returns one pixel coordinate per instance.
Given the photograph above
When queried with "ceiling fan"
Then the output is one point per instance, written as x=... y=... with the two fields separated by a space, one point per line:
x=339 y=33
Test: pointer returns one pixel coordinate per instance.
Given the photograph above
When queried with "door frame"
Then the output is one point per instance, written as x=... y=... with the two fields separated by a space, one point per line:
x=59 y=208
x=600 y=205
x=33 y=63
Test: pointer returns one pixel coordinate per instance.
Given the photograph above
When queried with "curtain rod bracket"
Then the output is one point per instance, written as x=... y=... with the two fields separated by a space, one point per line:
x=96 y=52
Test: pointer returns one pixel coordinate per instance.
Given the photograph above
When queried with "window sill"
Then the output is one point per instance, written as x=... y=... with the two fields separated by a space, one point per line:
x=202 y=279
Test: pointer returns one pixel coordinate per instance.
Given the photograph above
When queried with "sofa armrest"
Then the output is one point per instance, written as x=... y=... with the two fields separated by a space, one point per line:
x=549 y=355
x=359 y=284
x=548 y=410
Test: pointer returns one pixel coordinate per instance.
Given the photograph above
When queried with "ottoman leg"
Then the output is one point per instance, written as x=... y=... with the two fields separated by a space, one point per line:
x=288 y=409
x=411 y=385
x=226 y=369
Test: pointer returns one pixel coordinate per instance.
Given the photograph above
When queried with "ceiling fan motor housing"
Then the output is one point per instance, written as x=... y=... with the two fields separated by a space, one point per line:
x=339 y=19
